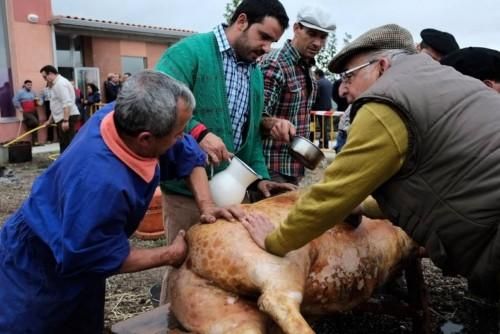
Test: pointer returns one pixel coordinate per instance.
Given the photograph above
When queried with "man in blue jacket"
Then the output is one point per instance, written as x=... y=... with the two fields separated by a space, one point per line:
x=72 y=232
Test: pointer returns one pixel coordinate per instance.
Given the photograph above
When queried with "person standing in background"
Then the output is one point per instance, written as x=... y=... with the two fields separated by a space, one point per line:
x=62 y=104
x=323 y=103
x=25 y=101
x=45 y=98
x=344 y=121
x=289 y=89
x=93 y=97
x=111 y=87
x=480 y=63
x=437 y=44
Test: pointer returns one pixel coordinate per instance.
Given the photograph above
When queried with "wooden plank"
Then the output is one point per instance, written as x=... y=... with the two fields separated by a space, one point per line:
x=151 y=322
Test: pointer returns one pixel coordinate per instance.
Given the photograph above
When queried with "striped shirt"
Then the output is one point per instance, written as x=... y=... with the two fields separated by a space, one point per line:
x=237 y=74
x=289 y=93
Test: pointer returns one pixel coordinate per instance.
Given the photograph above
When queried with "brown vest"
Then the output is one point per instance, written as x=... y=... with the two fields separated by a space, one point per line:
x=447 y=194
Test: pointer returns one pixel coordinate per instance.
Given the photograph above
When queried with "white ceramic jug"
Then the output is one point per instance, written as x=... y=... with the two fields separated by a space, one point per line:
x=229 y=186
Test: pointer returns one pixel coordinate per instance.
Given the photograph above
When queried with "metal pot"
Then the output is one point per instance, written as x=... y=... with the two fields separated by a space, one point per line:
x=305 y=152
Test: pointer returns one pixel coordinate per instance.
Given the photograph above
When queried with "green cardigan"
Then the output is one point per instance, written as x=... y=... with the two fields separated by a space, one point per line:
x=197 y=62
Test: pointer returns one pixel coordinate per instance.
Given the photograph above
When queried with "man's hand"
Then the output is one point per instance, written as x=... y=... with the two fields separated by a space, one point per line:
x=177 y=251
x=65 y=126
x=266 y=186
x=19 y=114
x=215 y=148
x=279 y=129
x=210 y=213
x=283 y=130
x=259 y=227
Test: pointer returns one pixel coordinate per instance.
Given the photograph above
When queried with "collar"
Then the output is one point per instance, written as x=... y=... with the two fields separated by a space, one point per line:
x=225 y=47
x=295 y=56
x=220 y=35
x=144 y=167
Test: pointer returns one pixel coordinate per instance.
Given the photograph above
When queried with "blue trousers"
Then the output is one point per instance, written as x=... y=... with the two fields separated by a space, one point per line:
x=34 y=298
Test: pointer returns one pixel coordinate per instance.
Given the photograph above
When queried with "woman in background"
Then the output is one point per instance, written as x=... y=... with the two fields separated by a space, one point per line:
x=93 y=97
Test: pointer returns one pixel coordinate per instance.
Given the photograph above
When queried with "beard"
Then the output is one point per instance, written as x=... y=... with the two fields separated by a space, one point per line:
x=244 y=51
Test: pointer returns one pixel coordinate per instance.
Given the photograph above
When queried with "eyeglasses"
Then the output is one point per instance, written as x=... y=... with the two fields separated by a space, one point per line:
x=346 y=76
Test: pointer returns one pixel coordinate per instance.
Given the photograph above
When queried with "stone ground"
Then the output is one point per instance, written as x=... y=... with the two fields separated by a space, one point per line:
x=128 y=294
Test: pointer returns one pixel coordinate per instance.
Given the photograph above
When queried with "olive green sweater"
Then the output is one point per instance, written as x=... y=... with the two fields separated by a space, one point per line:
x=375 y=151
x=197 y=62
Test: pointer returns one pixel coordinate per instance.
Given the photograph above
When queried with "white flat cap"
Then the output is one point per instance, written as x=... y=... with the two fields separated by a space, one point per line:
x=316 y=18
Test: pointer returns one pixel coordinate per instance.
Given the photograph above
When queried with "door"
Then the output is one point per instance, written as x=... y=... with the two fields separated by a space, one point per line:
x=84 y=76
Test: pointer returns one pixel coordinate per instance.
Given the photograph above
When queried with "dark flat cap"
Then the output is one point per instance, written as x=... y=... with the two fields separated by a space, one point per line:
x=442 y=42
x=480 y=63
x=390 y=36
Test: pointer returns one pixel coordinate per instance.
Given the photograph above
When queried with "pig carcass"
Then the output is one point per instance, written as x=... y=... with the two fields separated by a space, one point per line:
x=230 y=285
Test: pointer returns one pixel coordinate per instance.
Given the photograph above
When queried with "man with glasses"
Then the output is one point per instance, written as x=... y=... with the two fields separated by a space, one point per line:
x=290 y=91
x=424 y=141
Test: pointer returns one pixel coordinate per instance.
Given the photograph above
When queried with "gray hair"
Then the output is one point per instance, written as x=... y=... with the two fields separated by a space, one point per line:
x=391 y=54
x=148 y=102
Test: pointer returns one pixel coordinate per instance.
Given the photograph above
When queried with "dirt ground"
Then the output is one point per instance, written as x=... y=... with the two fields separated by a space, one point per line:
x=128 y=295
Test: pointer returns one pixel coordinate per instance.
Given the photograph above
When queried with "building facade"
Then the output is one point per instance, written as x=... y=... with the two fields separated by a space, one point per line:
x=82 y=49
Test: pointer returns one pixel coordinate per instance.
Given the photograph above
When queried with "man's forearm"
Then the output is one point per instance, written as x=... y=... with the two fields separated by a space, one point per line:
x=142 y=259
x=198 y=183
x=66 y=113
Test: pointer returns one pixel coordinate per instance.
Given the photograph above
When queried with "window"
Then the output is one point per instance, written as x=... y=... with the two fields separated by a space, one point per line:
x=6 y=91
x=69 y=54
x=133 y=65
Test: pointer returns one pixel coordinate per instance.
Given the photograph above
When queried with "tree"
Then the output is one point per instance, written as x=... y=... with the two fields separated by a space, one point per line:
x=347 y=38
x=326 y=54
x=230 y=8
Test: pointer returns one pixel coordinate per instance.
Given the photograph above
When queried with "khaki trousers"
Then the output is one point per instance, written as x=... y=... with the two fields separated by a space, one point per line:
x=179 y=212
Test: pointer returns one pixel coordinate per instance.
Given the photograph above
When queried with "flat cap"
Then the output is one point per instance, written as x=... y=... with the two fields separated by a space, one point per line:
x=316 y=18
x=386 y=37
x=480 y=63
x=442 y=42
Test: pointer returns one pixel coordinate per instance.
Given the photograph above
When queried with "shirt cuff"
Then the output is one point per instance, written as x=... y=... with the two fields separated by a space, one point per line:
x=273 y=245
x=197 y=131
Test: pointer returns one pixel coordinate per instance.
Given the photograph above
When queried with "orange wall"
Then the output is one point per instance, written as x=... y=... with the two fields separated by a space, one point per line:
x=107 y=52
x=154 y=52
x=30 y=44
x=106 y=56
x=30 y=47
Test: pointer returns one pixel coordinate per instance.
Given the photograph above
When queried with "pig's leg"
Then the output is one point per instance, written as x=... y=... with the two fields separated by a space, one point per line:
x=282 y=295
x=204 y=308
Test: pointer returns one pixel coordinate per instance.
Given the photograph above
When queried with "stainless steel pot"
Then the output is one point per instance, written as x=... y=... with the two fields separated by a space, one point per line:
x=305 y=152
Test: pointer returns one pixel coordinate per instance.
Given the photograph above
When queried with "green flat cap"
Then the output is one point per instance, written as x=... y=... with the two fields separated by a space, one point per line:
x=389 y=36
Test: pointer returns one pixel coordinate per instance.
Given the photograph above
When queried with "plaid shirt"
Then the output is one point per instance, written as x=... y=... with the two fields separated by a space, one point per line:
x=289 y=93
x=237 y=76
